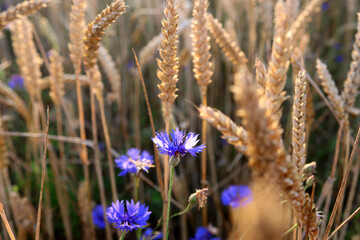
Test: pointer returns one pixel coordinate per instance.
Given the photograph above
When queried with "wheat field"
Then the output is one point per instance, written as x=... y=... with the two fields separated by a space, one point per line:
x=179 y=119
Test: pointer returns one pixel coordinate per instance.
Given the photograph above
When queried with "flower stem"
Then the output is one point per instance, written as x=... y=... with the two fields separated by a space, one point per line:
x=123 y=234
x=160 y=221
x=172 y=168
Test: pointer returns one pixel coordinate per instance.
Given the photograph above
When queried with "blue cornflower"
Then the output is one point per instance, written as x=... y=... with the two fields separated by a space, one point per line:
x=236 y=196
x=134 y=217
x=325 y=6
x=202 y=233
x=16 y=81
x=149 y=234
x=180 y=143
x=133 y=161
x=98 y=216
x=339 y=58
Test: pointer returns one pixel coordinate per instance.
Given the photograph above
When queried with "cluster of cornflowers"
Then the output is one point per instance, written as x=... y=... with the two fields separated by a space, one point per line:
x=131 y=215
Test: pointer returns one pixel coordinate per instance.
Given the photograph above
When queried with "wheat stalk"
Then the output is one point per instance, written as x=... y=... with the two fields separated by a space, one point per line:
x=231 y=132
x=298 y=121
x=23 y=9
x=330 y=88
x=228 y=46
x=352 y=81
x=96 y=29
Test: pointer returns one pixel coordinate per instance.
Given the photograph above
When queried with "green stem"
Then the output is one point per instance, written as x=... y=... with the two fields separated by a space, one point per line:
x=123 y=234
x=172 y=168
x=136 y=199
x=188 y=207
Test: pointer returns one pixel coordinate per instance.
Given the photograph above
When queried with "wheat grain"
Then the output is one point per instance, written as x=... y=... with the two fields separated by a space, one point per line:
x=23 y=9
x=231 y=132
x=96 y=29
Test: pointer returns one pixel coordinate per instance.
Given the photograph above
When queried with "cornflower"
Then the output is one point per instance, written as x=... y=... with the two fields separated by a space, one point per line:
x=179 y=145
x=202 y=233
x=16 y=82
x=149 y=234
x=134 y=217
x=98 y=216
x=134 y=162
x=236 y=196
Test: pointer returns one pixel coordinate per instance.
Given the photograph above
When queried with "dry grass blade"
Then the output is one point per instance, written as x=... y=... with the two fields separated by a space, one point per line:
x=6 y=222
x=352 y=81
x=23 y=9
x=330 y=88
x=342 y=186
x=231 y=132
x=157 y=161
x=227 y=44
x=344 y=223
x=298 y=121
x=43 y=174
x=96 y=29
x=267 y=155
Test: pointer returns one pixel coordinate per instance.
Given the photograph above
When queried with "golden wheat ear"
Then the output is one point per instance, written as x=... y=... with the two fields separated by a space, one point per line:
x=352 y=81
x=228 y=46
x=298 y=122
x=330 y=88
x=231 y=132
x=169 y=62
x=23 y=9
x=96 y=29
x=201 y=46
x=265 y=150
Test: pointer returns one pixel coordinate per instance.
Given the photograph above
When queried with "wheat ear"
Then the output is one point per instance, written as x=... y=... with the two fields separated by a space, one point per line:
x=330 y=88
x=23 y=9
x=352 y=81
x=228 y=46
x=265 y=149
x=169 y=63
x=260 y=75
x=201 y=46
x=96 y=29
x=280 y=54
x=305 y=16
x=231 y=132
x=298 y=122
x=27 y=57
